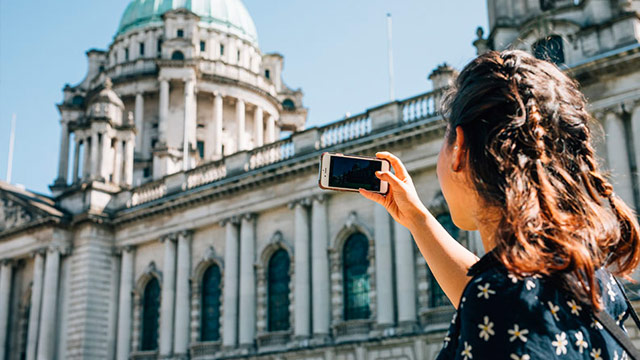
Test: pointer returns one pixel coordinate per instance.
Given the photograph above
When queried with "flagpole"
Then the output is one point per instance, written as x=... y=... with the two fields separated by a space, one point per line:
x=11 y=141
x=392 y=96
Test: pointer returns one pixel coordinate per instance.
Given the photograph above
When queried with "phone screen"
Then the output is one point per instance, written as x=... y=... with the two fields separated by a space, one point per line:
x=354 y=173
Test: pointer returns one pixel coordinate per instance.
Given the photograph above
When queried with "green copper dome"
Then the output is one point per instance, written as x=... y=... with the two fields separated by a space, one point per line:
x=225 y=15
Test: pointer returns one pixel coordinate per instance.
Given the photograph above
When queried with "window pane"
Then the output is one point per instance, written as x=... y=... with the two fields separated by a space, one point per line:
x=356 y=278
x=447 y=222
x=210 y=318
x=437 y=296
x=150 y=308
x=278 y=291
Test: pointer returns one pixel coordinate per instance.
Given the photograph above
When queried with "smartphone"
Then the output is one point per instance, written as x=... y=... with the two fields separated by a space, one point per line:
x=351 y=172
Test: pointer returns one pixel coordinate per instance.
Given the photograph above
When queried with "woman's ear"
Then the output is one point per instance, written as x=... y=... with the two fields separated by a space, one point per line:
x=457 y=151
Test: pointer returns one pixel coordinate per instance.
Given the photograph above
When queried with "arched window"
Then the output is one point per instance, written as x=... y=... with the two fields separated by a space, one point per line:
x=549 y=49
x=77 y=100
x=356 y=279
x=177 y=55
x=210 y=318
x=150 y=308
x=278 y=291
x=288 y=104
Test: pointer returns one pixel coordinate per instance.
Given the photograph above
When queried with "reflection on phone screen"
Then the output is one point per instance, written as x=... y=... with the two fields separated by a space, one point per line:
x=354 y=173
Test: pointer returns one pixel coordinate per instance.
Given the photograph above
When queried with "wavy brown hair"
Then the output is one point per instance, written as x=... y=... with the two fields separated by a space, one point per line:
x=528 y=148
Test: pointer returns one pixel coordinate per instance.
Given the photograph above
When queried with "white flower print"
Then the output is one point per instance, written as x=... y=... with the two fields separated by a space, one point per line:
x=595 y=354
x=580 y=343
x=610 y=292
x=575 y=308
x=560 y=343
x=513 y=277
x=615 y=355
x=467 y=351
x=453 y=318
x=464 y=298
x=554 y=310
x=523 y=357
x=485 y=291
x=530 y=285
x=619 y=318
x=446 y=341
x=486 y=329
x=517 y=333
x=596 y=324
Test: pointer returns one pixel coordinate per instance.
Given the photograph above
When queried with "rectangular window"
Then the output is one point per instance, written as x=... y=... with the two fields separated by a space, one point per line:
x=159 y=48
x=203 y=46
x=238 y=55
x=180 y=33
x=221 y=50
x=126 y=54
x=200 y=145
x=147 y=172
x=141 y=49
x=267 y=74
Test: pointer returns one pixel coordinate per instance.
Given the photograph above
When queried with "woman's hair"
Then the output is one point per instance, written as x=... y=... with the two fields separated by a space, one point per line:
x=530 y=156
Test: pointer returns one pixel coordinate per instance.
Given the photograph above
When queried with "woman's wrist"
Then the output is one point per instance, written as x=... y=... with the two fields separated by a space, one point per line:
x=419 y=220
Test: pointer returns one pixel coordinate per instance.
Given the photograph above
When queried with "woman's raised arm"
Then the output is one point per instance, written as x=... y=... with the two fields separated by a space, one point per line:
x=446 y=257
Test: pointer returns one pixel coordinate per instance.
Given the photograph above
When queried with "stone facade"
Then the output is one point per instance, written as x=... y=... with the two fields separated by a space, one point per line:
x=177 y=166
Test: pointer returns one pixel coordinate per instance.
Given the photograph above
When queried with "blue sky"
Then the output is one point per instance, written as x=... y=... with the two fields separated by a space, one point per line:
x=334 y=50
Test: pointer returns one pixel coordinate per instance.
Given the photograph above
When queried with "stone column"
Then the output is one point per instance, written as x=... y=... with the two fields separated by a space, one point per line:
x=618 y=158
x=117 y=163
x=168 y=296
x=189 y=124
x=217 y=126
x=47 y=331
x=128 y=162
x=94 y=155
x=76 y=160
x=257 y=127
x=123 y=347
x=139 y=118
x=230 y=289
x=86 y=164
x=6 y=272
x=320 y=266
x=271 y=129
x=104 y=160
x=384 y=268
x=181 y=332
x=63 y=161
x=36 y=301
x=405 y=276
x=634 y=109
x=247 y=281
x=302 y=302
x=240 y=110
x=163 y=111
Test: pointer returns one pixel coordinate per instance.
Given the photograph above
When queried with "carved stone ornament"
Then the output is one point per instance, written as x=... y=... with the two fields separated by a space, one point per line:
x=13 y=215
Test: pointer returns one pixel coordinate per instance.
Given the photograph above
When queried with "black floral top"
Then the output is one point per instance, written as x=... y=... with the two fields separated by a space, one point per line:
x=502 y=316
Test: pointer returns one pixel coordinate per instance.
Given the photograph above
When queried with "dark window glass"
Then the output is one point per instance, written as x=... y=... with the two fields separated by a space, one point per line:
x=436 y=294
x=356 y=278
x=447 y=223
x=141 y=49
x=177 y=55
x=200 y=145
x=238 y=55
x=210 y=320
x=288 y=104
x=549 y=49
x=278 y=291
x=267 y=74
x=77 y=100
x=126 y=54
x=159 y=48
x=203 y=45
x=180 y=33
x=146 y=172
x=221 y=49
x=547 y=4
x=150 y=307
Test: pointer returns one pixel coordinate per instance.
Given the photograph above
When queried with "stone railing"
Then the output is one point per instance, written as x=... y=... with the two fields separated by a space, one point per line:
x=206 y=174
x=271 y=153
x=421 y=106
x=148 y=192
x=345 y=130
x=381 y=118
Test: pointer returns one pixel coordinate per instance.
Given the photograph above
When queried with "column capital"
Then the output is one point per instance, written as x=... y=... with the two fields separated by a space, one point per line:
x=185 y=234
x=305 y=201
x=630 y=105
x=250 y=216
x=169 y=237
x=235 y=219
x=7 y=262
x=320 y=198
x=163 y=79
x=62 y=249
x=41 y=251
x=118 y=250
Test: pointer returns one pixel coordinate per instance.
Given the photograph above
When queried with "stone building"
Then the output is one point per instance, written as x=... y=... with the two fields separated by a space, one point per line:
x=186 y=221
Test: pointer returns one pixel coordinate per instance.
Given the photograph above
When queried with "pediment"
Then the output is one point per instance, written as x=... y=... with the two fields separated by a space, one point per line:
x=20 y=207
x=13 y=214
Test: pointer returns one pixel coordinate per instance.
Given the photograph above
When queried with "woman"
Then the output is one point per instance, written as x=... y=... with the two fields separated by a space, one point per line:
x=518 y=165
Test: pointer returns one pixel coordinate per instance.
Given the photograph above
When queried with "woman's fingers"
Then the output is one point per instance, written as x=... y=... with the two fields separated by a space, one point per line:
x=397 y=165
x=390 y=178
x=379 y=198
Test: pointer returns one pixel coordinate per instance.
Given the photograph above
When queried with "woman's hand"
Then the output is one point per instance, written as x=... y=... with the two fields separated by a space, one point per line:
x=402 y=200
